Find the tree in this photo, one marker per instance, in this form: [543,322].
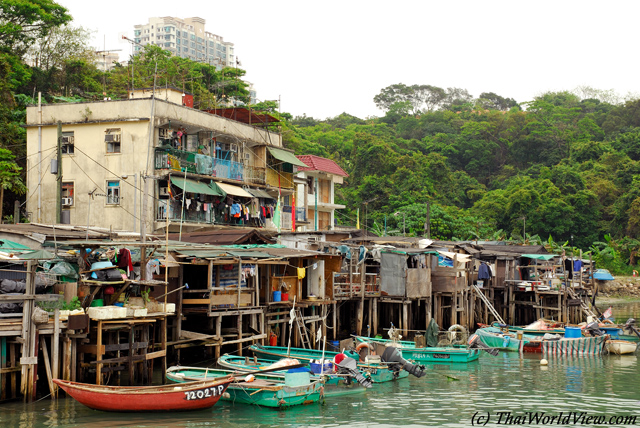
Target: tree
[24,21]
[9,177]
[492,101]
[61,44]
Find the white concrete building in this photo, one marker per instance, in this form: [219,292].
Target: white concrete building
[186,38]
[196,165]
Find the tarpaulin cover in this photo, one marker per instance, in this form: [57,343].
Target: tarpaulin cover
[392,267]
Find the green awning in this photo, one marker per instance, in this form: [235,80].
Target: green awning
[539,256]
[286,157]
[259,193]
[193,186]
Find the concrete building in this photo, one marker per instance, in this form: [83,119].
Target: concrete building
[148,162]
[316,191]
[186,38]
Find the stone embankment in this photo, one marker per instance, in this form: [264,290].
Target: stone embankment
[620,287]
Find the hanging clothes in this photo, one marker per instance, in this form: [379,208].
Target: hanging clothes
[484,271]
[568,267]
[301,272]
[124,261]
[153,267]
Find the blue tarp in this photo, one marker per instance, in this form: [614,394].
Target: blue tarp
[603,275]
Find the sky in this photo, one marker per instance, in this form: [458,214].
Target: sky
[325,58]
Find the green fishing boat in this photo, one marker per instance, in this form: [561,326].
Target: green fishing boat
[377,370]
[264,390]
[441,354]
[335,384]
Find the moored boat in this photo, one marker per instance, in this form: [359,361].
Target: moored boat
[199,394]
[334,383]
[440,354]
[377,370]
[261,389]
[621,347]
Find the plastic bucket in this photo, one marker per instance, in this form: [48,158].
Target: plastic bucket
[277,295]
[572,332]
[97,302]
[285,297]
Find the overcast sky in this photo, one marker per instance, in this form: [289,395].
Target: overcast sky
[325,58]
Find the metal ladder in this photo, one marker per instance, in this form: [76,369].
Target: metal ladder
[302,330]
[489,305]
[585,307]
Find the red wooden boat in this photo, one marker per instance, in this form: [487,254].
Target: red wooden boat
[164,398]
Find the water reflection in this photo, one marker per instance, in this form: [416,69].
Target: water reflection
[447,396]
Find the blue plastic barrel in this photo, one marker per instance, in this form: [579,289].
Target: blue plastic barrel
[572,332]
[277,296]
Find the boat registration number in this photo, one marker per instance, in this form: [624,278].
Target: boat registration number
[426,356]
[204,393]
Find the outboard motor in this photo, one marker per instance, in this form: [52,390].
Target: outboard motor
[392,355]
[630,325]
[476,343]
[349,366]
[593,330]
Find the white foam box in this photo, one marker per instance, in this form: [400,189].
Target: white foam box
[107,312]
[136,311]
[171,307]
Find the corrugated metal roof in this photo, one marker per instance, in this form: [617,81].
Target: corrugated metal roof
[317,163]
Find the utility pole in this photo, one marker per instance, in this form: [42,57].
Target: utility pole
[59,177]
[427,223]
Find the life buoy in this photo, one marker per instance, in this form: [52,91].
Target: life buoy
[457,334]
[362,346]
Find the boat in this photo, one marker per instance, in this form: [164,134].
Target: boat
[541,327]
[621,347]
[334,383]
[439,354]
[262,389]
[555,344]
[375,368]
[196,395]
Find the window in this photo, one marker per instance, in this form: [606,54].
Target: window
[136,33]
[67,143]
[113,192]
[185,49]
[112,139]
[177,41]
[67,193]
[200,40]
[193,36]
[310,187]
[193,45]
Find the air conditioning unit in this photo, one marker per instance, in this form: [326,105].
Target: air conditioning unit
[67,140]
[247,156]
[109,138]
[116,138]
[164,191]
[67,201]
[234,147]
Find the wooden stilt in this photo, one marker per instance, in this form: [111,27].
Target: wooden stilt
[239,326]
[360,312]
[335,321]
[219,335]
[374,316]
[47,367]
[405,319]
[55,349]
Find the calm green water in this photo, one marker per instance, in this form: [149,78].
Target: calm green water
[603,386]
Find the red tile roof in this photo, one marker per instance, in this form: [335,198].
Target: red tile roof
[316,163]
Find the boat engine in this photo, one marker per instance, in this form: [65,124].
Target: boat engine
[349,366]
[630,325]
[476,343]
[593,330]
[391,355]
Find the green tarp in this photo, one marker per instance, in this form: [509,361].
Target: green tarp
[285,156]
[6,244]
[193,186]
[539,256]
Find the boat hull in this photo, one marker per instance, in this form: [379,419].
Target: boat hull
[265,390]
[379,372]
[166,398]
[460,354]
[621,347]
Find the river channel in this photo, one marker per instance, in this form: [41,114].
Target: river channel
[508,390]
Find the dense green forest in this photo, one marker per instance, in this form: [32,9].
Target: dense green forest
[562,169]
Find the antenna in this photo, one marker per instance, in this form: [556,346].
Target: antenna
[104,61]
